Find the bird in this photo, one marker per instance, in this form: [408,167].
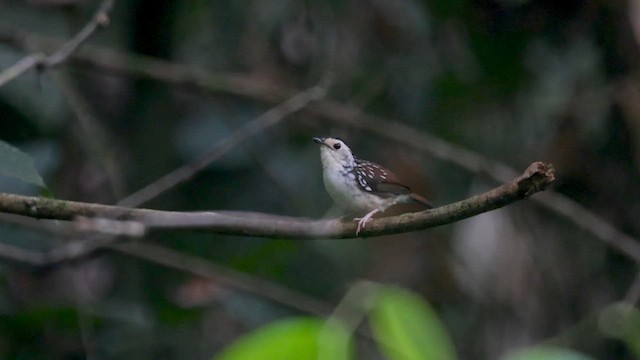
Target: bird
[361,186]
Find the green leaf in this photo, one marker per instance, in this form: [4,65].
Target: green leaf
[15,163]
[622,321]
[295,339]
[547,353]
[407,328]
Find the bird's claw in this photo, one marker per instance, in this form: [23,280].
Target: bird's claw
[362,222]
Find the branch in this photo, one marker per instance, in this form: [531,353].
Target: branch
[559,204]
[99,19]
[16,255]
[536,178]
[19,68]
[160,255]
[104,59]
[122,63]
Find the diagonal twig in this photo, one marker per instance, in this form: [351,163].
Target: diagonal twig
[25,64]
[19,256]
[245,282]
[99,19]
[270,118]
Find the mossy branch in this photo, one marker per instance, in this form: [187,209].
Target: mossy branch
[536,178]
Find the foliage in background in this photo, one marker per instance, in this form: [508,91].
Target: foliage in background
[16,164]
[516,81]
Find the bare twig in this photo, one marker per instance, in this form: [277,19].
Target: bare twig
[187,171]
[19,256]
[188,76]
[227,276]
[99,19]
[16,255]
[70,249]
[19,68]
[536,178]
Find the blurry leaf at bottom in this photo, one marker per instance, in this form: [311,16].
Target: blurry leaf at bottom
[622,321]
[547,353]
[16,164]
[407,328]
[294,339]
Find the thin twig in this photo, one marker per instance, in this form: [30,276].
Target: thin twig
[99,19]
[536,178]
[247,283]
[19,68]
[19,256]
[78,242]
[270,118]
[187,76]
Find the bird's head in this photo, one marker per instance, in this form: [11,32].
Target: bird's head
[334,152]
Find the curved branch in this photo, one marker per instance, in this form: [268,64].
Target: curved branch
[246,86]
[536,178]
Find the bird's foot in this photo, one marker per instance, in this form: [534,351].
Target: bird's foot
[362,222]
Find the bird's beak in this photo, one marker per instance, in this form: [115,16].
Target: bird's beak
[319,140]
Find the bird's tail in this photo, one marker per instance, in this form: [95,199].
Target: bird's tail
[420,200]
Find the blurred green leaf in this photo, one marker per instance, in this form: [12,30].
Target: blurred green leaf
[15,163]
[547,353]
[406,327]
[296,339]
[622,321]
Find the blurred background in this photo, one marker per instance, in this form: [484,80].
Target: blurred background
[512,81]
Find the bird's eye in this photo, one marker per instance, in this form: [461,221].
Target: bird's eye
[336,146]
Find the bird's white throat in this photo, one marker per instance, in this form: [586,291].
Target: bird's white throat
[340,182]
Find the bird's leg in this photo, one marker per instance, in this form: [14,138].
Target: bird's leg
[363,220]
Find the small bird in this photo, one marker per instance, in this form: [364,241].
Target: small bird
[361,186]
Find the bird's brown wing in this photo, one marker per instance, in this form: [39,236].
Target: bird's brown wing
[375,179]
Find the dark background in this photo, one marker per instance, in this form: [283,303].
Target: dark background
[515,81]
